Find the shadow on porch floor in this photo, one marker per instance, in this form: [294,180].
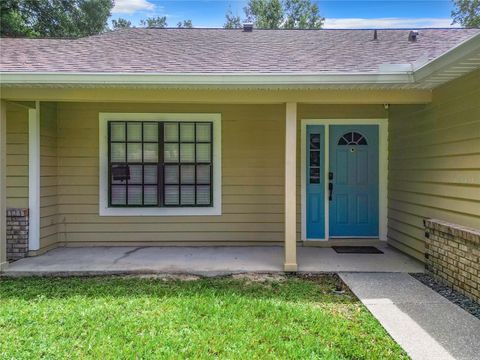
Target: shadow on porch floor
[206,260]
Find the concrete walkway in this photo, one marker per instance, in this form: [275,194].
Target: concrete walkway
[424,323]
[205,260]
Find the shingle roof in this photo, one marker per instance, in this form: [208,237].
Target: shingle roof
[227,51]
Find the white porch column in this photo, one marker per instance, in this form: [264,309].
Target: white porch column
[290,187]
[3,185]
[34,177]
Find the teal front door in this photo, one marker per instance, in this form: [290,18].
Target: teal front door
[353,181]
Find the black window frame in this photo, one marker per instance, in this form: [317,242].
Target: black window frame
[161,183]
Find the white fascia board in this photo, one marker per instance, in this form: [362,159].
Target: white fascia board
[18,78]
[449,58]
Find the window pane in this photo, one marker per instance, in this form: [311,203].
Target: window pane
[150,174]
[119,195]
[134,152]
[188,174]
[203,132]
[117,152]
[314,158]
[171,153]
[134,195]
[134,157]
[117,131]
[315,141]
[362,141]
[135,174]
[187,132]
[134,131]
[171,195]
[150,196]
[203,153]
[187,153]
[171,174]
[170,131]
[120,174]
[315,172]
[150,131]
[203,174]
[356,137]
[203,195]
[188,195]
[150,152]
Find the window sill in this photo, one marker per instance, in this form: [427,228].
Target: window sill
[177,211]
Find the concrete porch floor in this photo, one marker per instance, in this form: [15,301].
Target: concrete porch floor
[205,260]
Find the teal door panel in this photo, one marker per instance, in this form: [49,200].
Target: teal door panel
[353,180]
[315,178]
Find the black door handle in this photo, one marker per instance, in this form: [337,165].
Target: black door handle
[330,191]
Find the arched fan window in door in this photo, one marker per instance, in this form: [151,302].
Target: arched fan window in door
[352,138]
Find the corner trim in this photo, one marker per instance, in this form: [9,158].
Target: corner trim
[3,266]
[290,267]
[34,177]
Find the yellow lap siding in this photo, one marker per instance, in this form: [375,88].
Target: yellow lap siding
[252,183]
[48,175]
[252,170]
[17,156]
[434,163]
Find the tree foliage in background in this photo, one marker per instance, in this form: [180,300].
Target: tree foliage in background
[155,22]
[54,18]
[466,13]
[302,14]
[186,24]
[232,21]
[121,23]
[278,14]
[265,14]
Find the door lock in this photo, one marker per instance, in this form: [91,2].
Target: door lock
[330,186]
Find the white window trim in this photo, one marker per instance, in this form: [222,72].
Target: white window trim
[382,164]
[216,209]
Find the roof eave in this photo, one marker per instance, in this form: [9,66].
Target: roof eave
[196,79]
[454,63]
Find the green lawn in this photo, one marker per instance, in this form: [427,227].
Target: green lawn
[115,317]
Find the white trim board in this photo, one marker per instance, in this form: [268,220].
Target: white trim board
[34,177]
[382,163]
[105,210]
[306,78]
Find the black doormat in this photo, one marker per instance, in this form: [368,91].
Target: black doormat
[357,250]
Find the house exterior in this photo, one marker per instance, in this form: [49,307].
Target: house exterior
[229,137]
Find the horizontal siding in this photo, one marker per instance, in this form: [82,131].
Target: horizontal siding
[17,156]
[48,175]
[252,184]
[252,169]
[434,163]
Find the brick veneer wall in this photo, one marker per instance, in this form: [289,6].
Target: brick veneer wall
[17,233]
[453,256]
